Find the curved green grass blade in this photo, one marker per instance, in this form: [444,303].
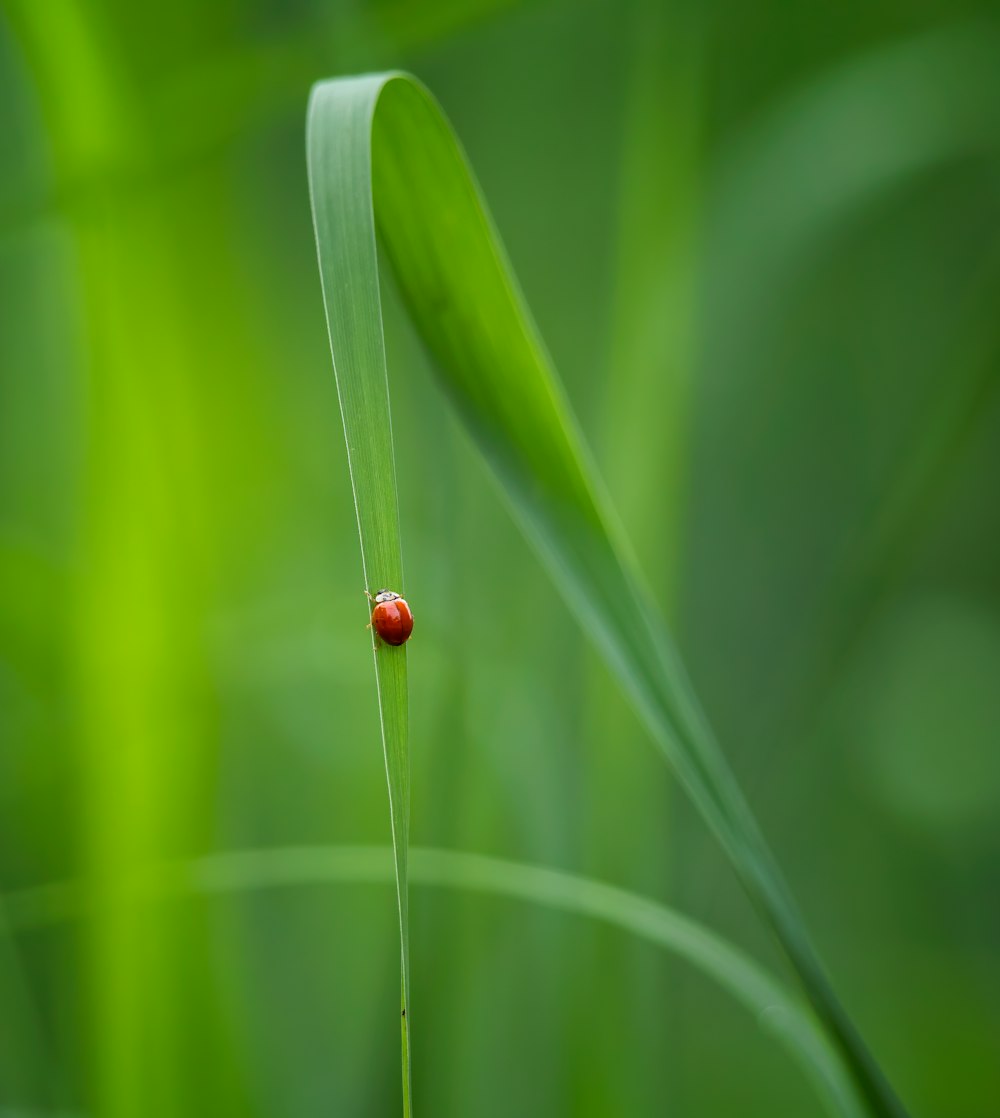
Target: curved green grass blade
[777,1011]
[382,154]
[349,274]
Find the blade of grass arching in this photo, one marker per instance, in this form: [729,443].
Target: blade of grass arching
[779,1012]
[349,275]
[381,151]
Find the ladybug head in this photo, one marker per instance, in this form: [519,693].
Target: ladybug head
[386,596]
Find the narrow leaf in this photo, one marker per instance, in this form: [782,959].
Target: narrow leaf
[382,154]
[241,871]
[348,269]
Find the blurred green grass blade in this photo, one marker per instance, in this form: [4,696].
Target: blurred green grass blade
[653,346]
[349,272]
[777,1011]
[26,1068]
[382,153]
[880,124]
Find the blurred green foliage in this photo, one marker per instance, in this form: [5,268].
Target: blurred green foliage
[761,243]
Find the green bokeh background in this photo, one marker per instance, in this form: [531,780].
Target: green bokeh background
[763,245]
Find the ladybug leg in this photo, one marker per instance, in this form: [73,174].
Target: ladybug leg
[368,596]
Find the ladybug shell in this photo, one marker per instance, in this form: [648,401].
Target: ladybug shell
[393,621]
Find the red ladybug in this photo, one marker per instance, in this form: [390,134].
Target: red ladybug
[391,617]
